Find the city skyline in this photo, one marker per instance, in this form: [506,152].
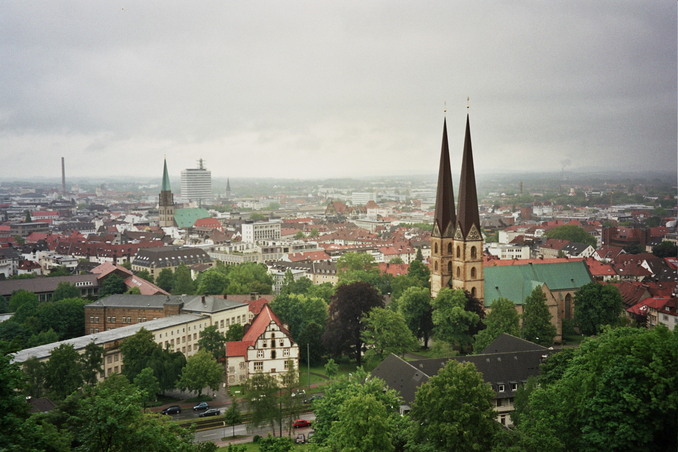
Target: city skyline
[314,90]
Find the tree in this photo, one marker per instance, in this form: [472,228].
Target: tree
[537,325]
[109,418]
[212,282]
[275,444]
[295,286]
[357,384]
[386,332]
[91,363]
[59,271]
[344,326]
[13,404]
[420,271]
[34,373]
[355,262]
[249,277]
[112,285]
[415,307]
[260,390]
[147,385]
[27,217]
[212,341]
[140,351]
[452,322]
[183,283]
[503,318]
[66,317]
[572,233]
[665,249]
[362,426]
[311,335]
[201,371]
[21,297]
[233,416]
[623,378]
[453,410]
[63,372]
[596,305]
[299,235]
[234,333]
[298,310]
[331,368]
[65,290]
[165,279]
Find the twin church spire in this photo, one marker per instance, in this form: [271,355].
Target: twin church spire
[456,241]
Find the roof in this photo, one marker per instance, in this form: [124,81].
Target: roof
[467,214]
[261,322]
[445,217]
[145,287]
[107,268]
[237,348]
[186,218]
[509,343]
[45,284]
[135,301]
[210,304]
[165,178]
[516,282]
[104,337]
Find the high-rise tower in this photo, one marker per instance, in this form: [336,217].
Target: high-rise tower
[166,201]
[196,183]
[456,241]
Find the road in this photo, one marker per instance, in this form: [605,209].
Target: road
[216,434]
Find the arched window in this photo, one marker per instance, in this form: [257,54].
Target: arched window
[449,267]
[435,266]
[458,251]
[473,291]
[473,272]
[474,254]
[435,248]
[458,272]
[449,248]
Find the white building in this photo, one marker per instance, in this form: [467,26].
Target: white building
[360,199]
[196,184]
[253,232]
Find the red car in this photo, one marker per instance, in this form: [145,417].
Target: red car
[300,423]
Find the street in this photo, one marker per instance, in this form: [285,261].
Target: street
[215,435]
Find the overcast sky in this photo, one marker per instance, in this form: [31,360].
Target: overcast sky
[315,89]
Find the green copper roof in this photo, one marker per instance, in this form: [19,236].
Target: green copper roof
[185,218]
[516,282]
[165,179]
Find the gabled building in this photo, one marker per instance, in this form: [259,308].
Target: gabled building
[154,260]
[505,365]
[166,201]
[266,347]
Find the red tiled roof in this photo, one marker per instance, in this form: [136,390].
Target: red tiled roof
[255,306]
[597,268]
[237,348]
[393,269]
[145,287]
[309,256]
[260,322]
[490,261]
[107,268]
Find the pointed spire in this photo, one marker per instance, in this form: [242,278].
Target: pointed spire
[228,184]
[165,179]
[444,215]
[468,197]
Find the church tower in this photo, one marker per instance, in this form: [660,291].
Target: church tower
[442,237]
[166,201]
[468,239]
[456,242]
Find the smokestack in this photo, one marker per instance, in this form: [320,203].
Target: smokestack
[63,176]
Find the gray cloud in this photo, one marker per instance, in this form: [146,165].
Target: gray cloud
[320,88]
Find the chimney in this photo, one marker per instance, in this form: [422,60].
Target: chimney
[202,299]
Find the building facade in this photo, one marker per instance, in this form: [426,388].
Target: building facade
[196,184]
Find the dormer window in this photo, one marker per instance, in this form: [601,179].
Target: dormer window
[501,387]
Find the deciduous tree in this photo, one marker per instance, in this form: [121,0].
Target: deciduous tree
[235,332]
[63,372]
[113,284]
[147,385]
[573,233]
[386,332]
[183,283]
[415,306]
[65,290]
[362,426]
[165,279]
[91,363]
[503,318]
[596,305]
[537,325]
[249,277]
[344,325]
[233,415]
[453,323]
[212,341]
[212,282]
[201,371]
[453,410]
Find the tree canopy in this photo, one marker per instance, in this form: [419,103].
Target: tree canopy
[386,332]
[503,318]
[415,306]
[453,410]
[573,233]
[201,371]
[537,325]
[453,323]
[596,305]
[345,323]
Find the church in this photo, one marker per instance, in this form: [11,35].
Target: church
[456,260]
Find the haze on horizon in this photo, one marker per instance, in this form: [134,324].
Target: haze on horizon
[320,89]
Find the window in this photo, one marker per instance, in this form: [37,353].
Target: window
[258,366]
[458,251]
[458,272]
[287,364]
[273,354]
[435,248]
[499,402]
[473,291]
[449,248]
[282,343]
[501,388]
[242,365]
[473,272]
[435,265]
[286,352]
[514,386]
[474,253]
[260,353]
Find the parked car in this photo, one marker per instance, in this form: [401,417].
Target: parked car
[174,409]
[201,406]
[210,412]
[300,439]
[299,393]
[300,423]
